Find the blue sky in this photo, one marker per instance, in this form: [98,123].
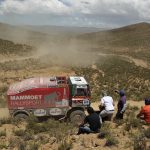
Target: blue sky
[91,13]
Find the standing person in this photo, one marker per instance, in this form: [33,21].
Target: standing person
[145,111]
[121,104]
[93,122]
[106,106]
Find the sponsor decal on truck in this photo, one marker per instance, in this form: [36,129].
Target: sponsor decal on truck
[26,97]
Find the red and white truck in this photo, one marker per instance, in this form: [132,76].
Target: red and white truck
[49,96]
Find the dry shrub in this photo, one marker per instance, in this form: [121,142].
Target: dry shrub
[65,145]
[139,142]
[3,133]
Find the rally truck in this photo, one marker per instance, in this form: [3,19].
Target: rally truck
[59,96]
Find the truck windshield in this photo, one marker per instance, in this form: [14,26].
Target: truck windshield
[81,92]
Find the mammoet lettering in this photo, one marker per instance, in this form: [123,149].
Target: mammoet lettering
[26,97]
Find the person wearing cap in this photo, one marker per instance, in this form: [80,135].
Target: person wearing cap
[145,111]
[91,123]
[121,104]
[106,107]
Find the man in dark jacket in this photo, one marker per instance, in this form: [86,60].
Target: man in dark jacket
[93,122]
[121,104]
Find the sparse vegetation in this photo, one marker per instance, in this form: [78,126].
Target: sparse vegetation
[114,73]
[52,127]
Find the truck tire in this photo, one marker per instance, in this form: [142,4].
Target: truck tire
[77,117]
[21,116]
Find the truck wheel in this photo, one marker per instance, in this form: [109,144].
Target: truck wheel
[77,117]
[21,116]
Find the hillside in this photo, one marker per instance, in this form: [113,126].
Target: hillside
[133,40]
[9,47]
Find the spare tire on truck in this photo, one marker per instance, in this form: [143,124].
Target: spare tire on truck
[77,117]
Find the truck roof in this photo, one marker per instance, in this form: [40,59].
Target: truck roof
[78,80]
[27,84]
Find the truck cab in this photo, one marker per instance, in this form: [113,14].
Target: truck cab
[79,92]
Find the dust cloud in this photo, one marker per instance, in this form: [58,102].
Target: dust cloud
[60,49]
[66,53]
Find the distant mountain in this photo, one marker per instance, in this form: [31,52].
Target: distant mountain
[41,34]
[56,30]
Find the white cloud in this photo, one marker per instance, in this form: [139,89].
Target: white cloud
[103,11]
[33,6]
[98,7]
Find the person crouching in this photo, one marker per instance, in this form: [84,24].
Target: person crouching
[91,122]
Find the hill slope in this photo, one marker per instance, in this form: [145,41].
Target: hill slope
[133,40]
[9,47]
[23,35]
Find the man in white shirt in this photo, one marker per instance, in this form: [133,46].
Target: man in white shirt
[108,106]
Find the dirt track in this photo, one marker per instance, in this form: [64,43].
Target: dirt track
[137,62]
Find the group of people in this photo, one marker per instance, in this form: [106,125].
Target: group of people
[93,121]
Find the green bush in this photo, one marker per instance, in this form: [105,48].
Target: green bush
[110,140]
[19,132]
